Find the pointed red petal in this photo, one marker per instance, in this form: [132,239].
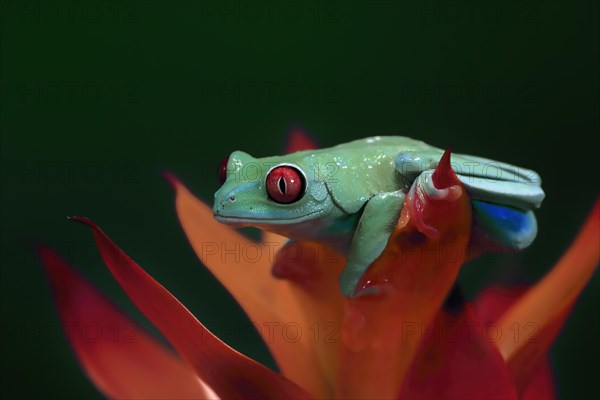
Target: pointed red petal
[415,273]
[299,140]
[444,175]
[120,358]
[541,386]
[449,188]
[229,373]
[458,361]
[537,317]
[490,306]
[493,301]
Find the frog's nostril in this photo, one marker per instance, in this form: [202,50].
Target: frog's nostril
[232,198]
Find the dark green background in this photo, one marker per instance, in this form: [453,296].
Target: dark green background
[98,97]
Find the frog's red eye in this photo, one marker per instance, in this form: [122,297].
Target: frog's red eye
[222,172]
[285,184]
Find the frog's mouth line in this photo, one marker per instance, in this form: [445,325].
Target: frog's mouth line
[272,221]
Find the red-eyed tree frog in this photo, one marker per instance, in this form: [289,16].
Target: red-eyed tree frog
[350,196]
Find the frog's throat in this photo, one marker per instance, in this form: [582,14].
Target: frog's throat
[238,220]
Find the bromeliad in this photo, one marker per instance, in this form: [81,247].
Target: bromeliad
[374,346]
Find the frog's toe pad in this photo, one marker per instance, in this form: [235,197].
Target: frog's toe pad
[507,227]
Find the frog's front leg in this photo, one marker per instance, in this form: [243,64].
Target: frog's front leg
[378,220]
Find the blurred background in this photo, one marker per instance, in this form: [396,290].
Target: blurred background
[98,97]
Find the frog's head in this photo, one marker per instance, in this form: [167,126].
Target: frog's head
[272,193]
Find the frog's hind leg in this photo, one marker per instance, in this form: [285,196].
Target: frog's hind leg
[378,220]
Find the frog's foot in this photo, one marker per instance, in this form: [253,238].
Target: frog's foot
[440,184]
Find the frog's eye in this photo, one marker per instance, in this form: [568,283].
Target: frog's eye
[222,172]
[285,184]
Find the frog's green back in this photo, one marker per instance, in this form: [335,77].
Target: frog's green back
[400,143]
[356,171]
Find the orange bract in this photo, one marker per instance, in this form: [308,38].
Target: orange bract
[269,303]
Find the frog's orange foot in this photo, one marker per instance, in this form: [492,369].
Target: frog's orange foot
[440,184]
